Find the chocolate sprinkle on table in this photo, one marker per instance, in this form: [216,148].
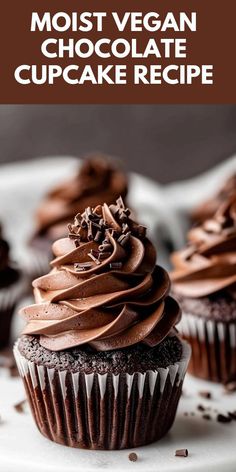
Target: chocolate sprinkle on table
[232,415]
[13,371]
[19,407]
[206,417]
[133,457]
[223,418]
[205,394]
[181,452]
[201,408]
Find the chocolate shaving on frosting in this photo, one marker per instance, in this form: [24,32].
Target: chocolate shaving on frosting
[208,265]
[108,302]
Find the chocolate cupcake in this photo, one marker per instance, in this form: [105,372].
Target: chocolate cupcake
[100,359]
[207,209]
[98,180]
[11,288]
[204,281]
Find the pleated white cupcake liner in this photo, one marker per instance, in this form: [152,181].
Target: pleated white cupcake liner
[103,411]
[213,347]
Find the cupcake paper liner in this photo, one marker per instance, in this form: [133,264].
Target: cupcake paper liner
[9,297]
[106,411]
[213,347]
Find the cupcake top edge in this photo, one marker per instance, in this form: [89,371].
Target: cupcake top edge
[104,288]
[208,264]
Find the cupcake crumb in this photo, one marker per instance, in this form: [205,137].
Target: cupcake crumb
[133,457]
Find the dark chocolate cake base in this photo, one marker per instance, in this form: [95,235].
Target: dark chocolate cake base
[75,405]
[219,307]
[138,358]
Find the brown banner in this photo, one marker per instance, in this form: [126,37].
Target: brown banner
[209,50]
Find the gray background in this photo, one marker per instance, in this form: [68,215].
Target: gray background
[163,142]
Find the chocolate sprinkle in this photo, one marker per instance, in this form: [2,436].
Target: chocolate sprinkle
[13,371]
[232,415]
[98,236]
[116,265]
[19,407]
[82,266]
[181,452]
[94,258]
[103,255]
[105,247]
[206,416]
[201,408]
[223,418]
[133,457]
[90,226]
[205,394]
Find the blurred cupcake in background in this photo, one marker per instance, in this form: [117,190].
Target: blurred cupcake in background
[99,179]
[11,290]
[204,281]
[208,208]
[100,358]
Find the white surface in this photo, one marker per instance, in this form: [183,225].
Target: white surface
[211,444]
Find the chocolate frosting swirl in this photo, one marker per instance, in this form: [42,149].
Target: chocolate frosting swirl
[208,265]
[99,180]
[207,209]
[105,289]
